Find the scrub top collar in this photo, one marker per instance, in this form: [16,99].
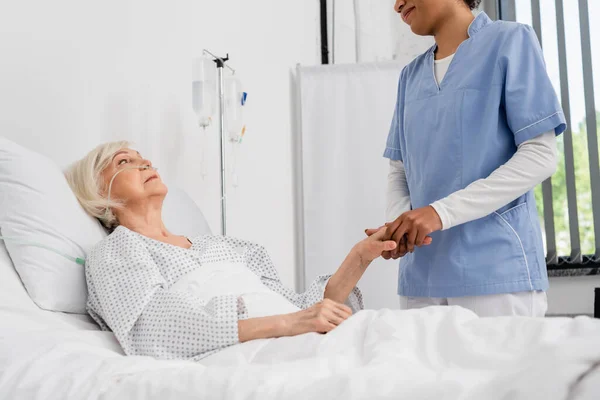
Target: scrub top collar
[481,21]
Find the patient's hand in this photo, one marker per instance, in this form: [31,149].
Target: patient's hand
[377,243]
[343,281]
[321,317]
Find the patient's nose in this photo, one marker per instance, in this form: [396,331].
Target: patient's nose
[146,163]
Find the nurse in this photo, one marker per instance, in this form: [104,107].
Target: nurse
[473,132]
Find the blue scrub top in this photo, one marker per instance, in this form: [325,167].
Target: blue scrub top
[495,95]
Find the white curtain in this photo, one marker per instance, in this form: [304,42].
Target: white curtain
[346,112]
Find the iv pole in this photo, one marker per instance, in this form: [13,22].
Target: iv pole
[221,63]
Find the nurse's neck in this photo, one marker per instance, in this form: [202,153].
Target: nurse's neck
[452,31]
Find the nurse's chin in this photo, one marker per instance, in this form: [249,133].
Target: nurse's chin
[419,29]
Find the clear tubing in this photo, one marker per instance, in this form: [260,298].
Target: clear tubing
[77,260]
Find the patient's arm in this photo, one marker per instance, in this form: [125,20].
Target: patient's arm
[261,328]
[341,287]
[321,317]
[354,266]
[259,262]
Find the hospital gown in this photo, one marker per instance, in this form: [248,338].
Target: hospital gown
[129,275]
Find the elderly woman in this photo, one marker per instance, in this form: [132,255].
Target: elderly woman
[173,297]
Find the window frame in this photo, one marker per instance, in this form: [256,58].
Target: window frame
[575,263]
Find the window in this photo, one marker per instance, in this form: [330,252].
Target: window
[569,202]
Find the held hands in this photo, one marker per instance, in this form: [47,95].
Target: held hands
[409,230]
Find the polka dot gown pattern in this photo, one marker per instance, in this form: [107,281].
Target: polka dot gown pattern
[129,276]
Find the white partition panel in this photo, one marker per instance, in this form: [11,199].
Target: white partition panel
[346,112]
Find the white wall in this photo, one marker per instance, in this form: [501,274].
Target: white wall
[572,295]
[74,73]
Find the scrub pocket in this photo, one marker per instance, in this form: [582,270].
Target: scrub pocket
[517,224]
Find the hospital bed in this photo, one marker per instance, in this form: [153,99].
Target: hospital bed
[434,353]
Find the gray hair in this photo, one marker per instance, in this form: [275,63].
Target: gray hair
[85,178]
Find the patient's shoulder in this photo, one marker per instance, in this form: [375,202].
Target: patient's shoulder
[120,244]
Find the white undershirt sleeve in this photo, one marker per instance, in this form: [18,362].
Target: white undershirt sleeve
[398,196]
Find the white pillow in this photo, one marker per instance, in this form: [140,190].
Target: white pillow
[182,216]
[37,204]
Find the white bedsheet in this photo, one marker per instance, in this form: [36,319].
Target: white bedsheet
[434,353]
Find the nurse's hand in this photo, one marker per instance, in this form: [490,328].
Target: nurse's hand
[416,225]
[401,249]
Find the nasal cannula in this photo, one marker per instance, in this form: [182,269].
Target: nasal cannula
[142,167]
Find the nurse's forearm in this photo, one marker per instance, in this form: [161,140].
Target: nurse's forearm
[346,277]
[534,161]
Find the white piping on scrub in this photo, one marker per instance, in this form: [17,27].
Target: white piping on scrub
[522,248]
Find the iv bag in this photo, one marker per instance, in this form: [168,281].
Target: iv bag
[204,89]
[234,120]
